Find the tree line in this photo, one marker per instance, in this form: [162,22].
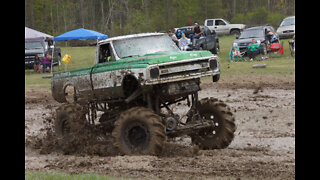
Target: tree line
[120,17]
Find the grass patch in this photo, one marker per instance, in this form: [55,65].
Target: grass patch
[276,64]
[82,57]
[41,175]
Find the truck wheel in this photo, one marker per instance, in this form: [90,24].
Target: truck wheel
[235,32]
[69,119]
[139,131]
[214,51]
[222,133]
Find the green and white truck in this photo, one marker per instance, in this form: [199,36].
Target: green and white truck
[130,91]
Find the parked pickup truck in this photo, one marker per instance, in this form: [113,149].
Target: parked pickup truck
[223,27]
[133,83]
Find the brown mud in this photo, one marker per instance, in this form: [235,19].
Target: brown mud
[263,147]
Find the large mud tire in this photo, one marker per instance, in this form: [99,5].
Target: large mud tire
[70,118]
[139,131]
[222,134]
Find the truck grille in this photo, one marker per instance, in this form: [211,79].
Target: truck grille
[29,59]
[289,31]
[184,68]
[244,44]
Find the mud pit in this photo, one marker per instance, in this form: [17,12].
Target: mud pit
[263,147]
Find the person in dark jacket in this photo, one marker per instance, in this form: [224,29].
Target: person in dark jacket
[197,30]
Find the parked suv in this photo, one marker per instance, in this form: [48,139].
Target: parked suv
[208,40]
[287,28]
[257,33]
[40,47]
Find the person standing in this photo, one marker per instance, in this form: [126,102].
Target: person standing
[272,37]
[293,44]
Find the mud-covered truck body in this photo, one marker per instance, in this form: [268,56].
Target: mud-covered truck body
[135,80]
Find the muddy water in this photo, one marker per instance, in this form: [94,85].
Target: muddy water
[263,147]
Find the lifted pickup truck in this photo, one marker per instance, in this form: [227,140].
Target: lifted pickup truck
[223,27]
[134,82]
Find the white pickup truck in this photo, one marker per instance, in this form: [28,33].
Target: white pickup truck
[223,27]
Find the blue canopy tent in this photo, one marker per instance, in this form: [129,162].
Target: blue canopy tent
[80,34]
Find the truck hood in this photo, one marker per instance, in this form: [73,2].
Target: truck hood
[240,26]
[155,58]
[136,62]
[247,41]
[285,28]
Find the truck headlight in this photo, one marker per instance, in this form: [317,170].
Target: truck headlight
[234,45]
[154,73]
[213,64]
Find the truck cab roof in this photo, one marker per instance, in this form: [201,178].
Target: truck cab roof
[128,37]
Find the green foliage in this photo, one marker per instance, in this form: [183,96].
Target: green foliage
[274,19]
[238,19]
[119,17]
[257,16]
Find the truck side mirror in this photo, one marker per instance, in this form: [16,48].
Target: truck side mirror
[237,37]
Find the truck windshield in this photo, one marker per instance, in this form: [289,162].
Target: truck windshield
[254,33]
[226,21]
[288,22]
[33,45]
[140,46]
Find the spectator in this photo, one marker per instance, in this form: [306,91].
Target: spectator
[272,37]
[46,62]
[197,30]
[252,50]
[183,42]
[172,35]
[236,53]
[36,64]
[293,42]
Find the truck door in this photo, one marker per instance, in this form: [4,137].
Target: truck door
[210,24]
[105,82]
[220,27]
[210,39]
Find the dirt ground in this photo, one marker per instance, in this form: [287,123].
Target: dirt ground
[263,147]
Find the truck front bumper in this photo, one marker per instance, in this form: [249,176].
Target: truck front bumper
[183,70]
